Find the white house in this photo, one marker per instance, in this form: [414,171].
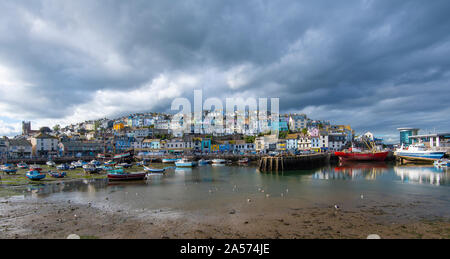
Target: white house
[44,145]
[240,146]
[304,142]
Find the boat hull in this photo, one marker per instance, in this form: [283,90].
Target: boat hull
[426,156]
[170,160]
[185,164]
[35,176]
[154,170]
[347,156]
[127,177]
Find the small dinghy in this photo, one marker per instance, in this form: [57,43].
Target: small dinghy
[63,167]
[57,174]
[120,175]
[22,165]
[9,169]
[154,170]
[51,163]
[35,175]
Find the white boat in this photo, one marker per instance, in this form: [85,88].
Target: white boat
[418,152]
[442,163]
[219,161]
[170,160]
[204,162]
[185,163]
[50,163]
[22,165]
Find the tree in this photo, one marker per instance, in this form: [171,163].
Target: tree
[305,131]
[56,127]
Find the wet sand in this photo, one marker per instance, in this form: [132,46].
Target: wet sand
[44,219]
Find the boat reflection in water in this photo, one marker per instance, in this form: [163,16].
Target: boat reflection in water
[422,175]
[352,170]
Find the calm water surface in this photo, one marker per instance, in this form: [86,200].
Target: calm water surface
[210,187]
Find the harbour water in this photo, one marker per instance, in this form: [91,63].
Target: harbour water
[201,191]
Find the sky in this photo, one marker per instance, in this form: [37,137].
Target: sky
[376,65]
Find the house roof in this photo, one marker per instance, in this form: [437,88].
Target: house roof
[19,142]
[44,136]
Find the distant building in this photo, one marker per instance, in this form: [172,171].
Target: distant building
[19,148]
[435,141]
[405,133]
[297,122]
[80,148]
[44,145]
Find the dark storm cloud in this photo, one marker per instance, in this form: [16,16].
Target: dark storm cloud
[373,64]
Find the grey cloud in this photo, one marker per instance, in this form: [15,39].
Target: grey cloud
[387,58]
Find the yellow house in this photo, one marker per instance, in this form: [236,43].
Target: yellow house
[118,126]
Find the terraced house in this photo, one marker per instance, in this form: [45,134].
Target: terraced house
[44,145]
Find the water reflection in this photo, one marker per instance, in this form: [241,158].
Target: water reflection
[352,171]
[422,175]
[192,184]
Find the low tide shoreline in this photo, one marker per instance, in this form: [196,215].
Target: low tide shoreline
[36,219]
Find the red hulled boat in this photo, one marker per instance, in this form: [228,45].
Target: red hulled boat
[126,176]
[356,155]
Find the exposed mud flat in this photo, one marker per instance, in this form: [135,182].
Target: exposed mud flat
[43,219]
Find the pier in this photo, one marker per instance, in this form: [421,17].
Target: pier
[284,163]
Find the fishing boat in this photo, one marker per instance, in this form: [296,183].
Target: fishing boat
[35,175]
[9,169]
[185,163]
[243,161]
[63,167]
[170,160]
[91,169]
[110,163]
[219,161]
[442,163]
[50,163]
[57,174]
[354,154]
[154,170]
[22,165]
[95,163]
[79,164]
[418,152]
[142,163]
[35,168]
[120,175]
[122,156]
[204,162]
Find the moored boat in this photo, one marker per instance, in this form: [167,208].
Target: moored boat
[9,169]
[22,165]
[442,163]
[57,174]
[353,155]
[63,167]
[124,176]
[243,161]
[219,161]
[170,160]
[91,169]
[204,162]
[35,175]
[185,163]
[418,152]
[50,163]
[154,170]
[35,168]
